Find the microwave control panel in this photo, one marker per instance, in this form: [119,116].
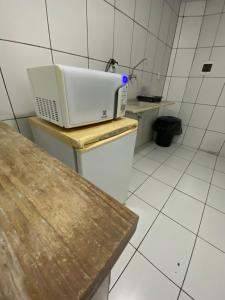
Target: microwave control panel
[122,101]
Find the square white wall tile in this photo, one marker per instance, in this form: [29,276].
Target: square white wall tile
[122,38]
[165,22]
[183,62]
[201,116]
[172,28]
[157,85]
[222,98]
[127,6]
[100,29]
[154,192]
[24,21]
[142,12]
[155,16]
[176,89]
[220,37]
[172,110]
[177,33]
[171,62]
[208,30]
[176,6]
[182,8]
[166,88]
[218,57]
[135,86]
[193,137]
[185,210]
[158,63]
[138,48]
[218,120]
[146,83]
[143,281]
[194,8]
[168,246]
[208,267]
[70,60]
[14,60]
[68,28]
[190,32]
[214,6]
[6,110]
[212,141]
[192,89]
[97,65]
[201,55]
[146,214]
[210,91]
[150,52]
[185,112]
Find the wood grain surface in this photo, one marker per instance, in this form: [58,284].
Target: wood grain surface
[59,234]
[82,137]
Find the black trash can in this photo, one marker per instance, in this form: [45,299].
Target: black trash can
[166,127]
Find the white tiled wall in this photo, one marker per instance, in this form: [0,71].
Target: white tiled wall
[200,100]
[84,33]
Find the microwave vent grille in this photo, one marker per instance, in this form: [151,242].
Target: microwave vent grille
[47,108]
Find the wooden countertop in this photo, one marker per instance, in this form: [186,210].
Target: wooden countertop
[59,234]
[84,137]
[135,106]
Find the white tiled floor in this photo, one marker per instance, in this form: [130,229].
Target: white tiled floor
[178,249]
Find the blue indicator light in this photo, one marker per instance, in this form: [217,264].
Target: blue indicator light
[125,79]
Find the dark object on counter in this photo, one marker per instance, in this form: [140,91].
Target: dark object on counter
[149,98]
[166,127]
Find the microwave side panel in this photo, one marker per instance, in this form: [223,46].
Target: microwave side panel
[91,95]
[46,93]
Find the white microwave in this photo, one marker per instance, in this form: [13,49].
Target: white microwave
[71,97]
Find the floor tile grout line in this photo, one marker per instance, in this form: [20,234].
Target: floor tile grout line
[171,154]
[212,245]
[177,222]
[150,175]
[160,211]
[158,269]
[177,285]
[144,235]
[118,278]
[196,237]
[157,216]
